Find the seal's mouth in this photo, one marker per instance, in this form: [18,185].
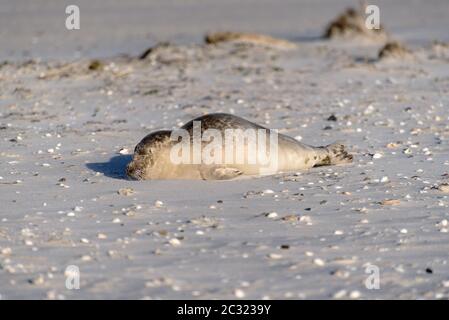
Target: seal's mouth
[132,172]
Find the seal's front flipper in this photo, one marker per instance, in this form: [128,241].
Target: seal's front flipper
[221,173]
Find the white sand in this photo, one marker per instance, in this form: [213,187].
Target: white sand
[62,126]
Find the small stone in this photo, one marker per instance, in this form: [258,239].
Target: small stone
[123,151]
[384,179]
[86,258]
[274,256]
[444,188]
[306,219]
[340,294]
[377,156]
[116,220]
[407,151]
[239,293]
[403,231]
[442,223]
[355,294]
[158,204]
[174,242]
[6,251]
[130,213]
[84,240]
[338,232]
[102,236]
[319,262]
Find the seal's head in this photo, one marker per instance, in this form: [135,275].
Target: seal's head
[146,154]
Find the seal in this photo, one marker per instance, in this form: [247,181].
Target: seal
[157,155]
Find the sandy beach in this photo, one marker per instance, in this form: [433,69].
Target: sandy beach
[74,103]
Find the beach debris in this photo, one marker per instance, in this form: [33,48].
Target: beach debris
[390,202]
[95,65]
[392,145]
[125,191]
[153,50]
[394,50]
[351,23]
[205,222]
[250,38]
[291,218]
[167,54]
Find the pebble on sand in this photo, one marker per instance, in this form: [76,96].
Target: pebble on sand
[274,256]
[158,204]
[271,215]
[174,242]
[239,293]
[123,151]
[319,262]
[6,251]
[125,191]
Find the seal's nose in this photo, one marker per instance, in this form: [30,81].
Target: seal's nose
[132,172]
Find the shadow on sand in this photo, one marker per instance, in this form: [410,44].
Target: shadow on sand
[114,168]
